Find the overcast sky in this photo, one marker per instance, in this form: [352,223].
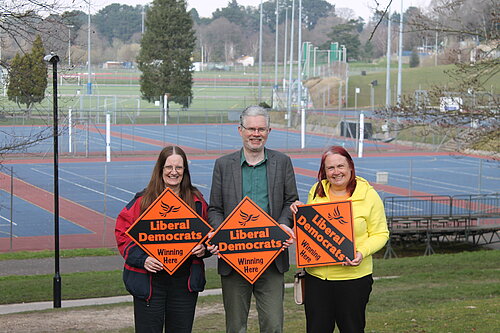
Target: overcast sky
[206,7]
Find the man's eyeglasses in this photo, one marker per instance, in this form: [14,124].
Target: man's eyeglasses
[261,130]
[169,168]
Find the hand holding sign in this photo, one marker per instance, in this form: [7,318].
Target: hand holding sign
[287,243]
[325,234]
[249,240]
[356,261]
[152,265]
[294,206]
[169,231]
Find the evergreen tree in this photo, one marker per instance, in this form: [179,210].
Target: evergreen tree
[368,51]
[119,21]
[28,76]
[38,71]
[195,16]
[76,18]
[233,12]
[166,50]
[15,87]
[414,59]
[346,34]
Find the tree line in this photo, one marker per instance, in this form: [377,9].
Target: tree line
[233,31]
[230,32]
[166,50]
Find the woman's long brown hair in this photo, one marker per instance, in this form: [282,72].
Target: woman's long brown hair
[351,185]
[156,185]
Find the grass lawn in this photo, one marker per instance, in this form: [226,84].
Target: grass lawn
[213,93]
[213,97]
[421,78]
[457,292]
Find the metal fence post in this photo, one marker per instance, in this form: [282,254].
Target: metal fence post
[11,203]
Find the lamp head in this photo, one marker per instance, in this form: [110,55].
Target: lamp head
[52,58]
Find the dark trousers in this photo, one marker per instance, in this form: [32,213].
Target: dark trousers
[341,302]
[171,305]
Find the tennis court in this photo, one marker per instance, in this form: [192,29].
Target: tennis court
[92,192]
[149,138]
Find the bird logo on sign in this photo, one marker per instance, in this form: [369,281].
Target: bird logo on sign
[336,216]
[247,218]
[168,209]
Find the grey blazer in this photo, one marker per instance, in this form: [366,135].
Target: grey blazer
[226,194]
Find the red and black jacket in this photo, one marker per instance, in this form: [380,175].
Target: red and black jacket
[138,280]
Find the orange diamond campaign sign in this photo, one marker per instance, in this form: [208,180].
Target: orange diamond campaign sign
[324,234]
[168,230]
[249,240]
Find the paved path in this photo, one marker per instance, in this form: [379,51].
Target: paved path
[70,265]
[37,306]
[74,265]
[81,264]
[67,265]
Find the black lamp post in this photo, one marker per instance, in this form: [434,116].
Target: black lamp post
[54,59]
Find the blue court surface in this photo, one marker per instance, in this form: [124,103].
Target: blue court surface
[151,138]
[107,187]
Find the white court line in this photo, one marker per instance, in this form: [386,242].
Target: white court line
[450,170]
[471,165]
[8,220]
[409,208]
[201,185]
[422,181]
[425,181]
[114,145]
[170,137]
[200,166]
[8,233]
[468,161]
[96,181]
[81,186]
[100,141]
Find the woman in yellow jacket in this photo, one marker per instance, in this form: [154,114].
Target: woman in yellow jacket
[338,294]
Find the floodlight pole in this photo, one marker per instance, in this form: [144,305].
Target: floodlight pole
[388,65]
[289,99]
[89,78]
[276,49]
[400,55]
[300,107]
[69,44]
[285,48]
[260,54]
[54,59]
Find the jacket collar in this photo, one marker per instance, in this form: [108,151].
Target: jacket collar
[362,186]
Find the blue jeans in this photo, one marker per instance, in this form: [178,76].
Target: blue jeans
[171,305]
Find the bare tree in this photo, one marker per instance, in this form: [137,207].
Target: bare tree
[222,40]
[20,22]
[465,110]
[19,19]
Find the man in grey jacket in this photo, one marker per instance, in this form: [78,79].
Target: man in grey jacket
[267,178]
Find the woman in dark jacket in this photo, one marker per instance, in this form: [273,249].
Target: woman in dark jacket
[160,299]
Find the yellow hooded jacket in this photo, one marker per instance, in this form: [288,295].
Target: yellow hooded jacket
[370,230]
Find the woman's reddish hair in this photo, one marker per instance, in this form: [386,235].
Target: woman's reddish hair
[351,185]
